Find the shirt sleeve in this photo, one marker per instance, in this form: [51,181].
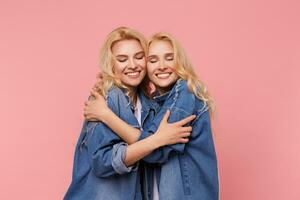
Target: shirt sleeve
[204,151]
[106,149]
[107,152]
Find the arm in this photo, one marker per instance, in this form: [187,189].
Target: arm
[163,136]
[162,154]
[177,103]
[109,155]
[106,152]
[204,153]
[124,130]
[108,117]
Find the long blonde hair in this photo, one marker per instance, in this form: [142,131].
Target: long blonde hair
[184,69]
[107,59]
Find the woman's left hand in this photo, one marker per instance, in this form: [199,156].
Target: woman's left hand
[95,109]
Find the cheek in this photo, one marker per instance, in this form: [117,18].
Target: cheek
[141,63]
[171,64]
[118,68]
[150,68]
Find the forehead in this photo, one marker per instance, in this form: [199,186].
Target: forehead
[160,47]
[126,47]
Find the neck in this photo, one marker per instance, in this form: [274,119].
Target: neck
[132,94]
[163,90]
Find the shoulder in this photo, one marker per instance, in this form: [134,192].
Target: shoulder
[181,89]
[201,107]
[116,99]
[115,93]
[182,97]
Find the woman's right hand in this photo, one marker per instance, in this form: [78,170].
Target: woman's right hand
[173,133]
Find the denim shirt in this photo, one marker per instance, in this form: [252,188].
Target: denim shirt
[185,171]
[99,172]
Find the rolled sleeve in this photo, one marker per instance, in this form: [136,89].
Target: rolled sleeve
[118,157]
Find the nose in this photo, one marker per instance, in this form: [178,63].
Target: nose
[161,65]
[132,64]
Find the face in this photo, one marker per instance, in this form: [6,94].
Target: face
[130,62]
[161,65]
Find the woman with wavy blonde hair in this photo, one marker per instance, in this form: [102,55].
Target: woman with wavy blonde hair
[106,167]
[107,59]
[184,68]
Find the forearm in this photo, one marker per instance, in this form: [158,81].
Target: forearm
[121,128]
[140,149]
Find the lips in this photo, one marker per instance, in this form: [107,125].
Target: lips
[163,75]
[134,74]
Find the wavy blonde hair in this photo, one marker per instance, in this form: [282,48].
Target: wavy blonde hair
[184,69]
[107,60]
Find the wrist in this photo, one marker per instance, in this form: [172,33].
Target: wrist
[103,116]
[157,141]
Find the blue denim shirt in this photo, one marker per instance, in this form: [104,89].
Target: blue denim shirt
[186,171]
[99,172]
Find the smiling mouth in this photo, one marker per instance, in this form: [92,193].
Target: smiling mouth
[163,75]
[135,74]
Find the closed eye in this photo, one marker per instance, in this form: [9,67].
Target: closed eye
[140,55]
[169,56]
[152,59]
[121,58]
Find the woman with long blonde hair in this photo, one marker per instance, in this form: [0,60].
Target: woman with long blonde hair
[106,167]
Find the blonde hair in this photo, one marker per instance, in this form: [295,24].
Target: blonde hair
[184,69]
[107,59]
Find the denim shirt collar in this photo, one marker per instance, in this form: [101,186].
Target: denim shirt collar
[161,98]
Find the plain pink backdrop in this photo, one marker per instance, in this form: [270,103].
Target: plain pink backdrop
[247,52]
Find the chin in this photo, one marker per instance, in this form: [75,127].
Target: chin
[133,83]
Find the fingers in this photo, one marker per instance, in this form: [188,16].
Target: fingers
[186,120]
[186,129]
[184,140]
[166,116]
[95,94]
[185,134]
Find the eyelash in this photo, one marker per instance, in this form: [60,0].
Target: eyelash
[139,57]
[154,61]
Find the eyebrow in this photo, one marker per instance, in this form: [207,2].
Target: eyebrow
[141,52]
[150,56]
[169,54]
[120,55]
[123,55]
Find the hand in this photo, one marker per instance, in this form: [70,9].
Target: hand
[99,83]
[96,108]
[172,133]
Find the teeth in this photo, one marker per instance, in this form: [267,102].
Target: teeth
[133,73]
[165,75]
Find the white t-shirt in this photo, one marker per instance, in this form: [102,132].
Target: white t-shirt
[138,115]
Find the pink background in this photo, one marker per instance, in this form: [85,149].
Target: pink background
[247,52]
